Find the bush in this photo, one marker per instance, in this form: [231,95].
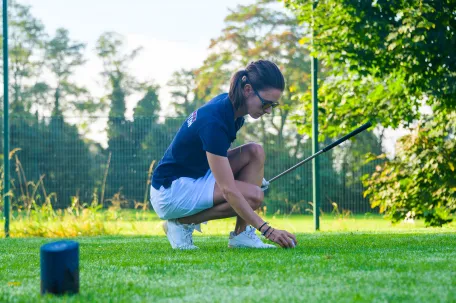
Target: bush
[420,182]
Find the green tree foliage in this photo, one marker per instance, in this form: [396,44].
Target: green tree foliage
[131,156]
[149,105]
[183,92]
[145,126]
[420,182]
[110,49]
[350,160]
[158,139]
[62,57]
[66,162]
[52,150]
[385,57]
[45,147]
[26,45]
[386,60]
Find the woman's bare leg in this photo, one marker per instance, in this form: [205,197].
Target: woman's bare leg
[247,164]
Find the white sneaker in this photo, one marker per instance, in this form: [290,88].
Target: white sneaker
[179,235]
[247,239]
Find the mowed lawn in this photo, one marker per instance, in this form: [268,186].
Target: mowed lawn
[395,264]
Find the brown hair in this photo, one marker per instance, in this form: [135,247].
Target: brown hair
[261,74]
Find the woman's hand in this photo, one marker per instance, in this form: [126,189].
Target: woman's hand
[281,237]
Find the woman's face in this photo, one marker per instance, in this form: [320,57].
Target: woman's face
[260,102]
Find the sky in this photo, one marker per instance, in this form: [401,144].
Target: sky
[174,34]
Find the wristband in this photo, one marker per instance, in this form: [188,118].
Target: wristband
[264,234]
[259,228]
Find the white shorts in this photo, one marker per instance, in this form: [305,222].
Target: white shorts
[185,197]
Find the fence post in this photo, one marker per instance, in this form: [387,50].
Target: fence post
[6,164]
[315,161]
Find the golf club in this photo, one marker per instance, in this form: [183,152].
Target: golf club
[329,147]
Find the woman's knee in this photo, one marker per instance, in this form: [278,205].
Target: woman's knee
[255,198]
[256,152]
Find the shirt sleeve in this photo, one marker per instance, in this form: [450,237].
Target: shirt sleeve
[215,139]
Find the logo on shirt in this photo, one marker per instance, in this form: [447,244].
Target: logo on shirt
[191,118]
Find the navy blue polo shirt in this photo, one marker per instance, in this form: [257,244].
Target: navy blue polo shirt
[211,128]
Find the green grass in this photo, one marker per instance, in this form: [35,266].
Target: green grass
[405,263]
[133,223]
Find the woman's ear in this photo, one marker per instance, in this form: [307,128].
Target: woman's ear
[247,90]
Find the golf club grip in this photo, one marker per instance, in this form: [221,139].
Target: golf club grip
[356,131]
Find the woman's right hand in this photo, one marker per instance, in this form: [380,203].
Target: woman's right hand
[283,238]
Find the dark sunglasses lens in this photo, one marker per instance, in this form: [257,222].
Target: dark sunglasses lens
[272,104]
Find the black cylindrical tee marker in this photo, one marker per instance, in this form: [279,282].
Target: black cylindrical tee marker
[60,268]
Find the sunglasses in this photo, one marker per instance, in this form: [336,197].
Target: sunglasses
[265,103]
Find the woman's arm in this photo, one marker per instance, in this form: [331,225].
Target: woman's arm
[221,169]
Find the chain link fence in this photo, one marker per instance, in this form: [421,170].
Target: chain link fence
[111,159]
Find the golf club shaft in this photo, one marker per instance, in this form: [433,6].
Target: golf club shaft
[329,147]
[296,166]
[344,138]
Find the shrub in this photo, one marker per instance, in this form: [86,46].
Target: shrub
[420,181]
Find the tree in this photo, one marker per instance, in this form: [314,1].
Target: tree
[26,44]
[420,182]
[350,160]
[129,155]
[145,127]
[388,59]
[185,99]
[45,146]
[66,162]
[149,105]
[62,57]
[110,49]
